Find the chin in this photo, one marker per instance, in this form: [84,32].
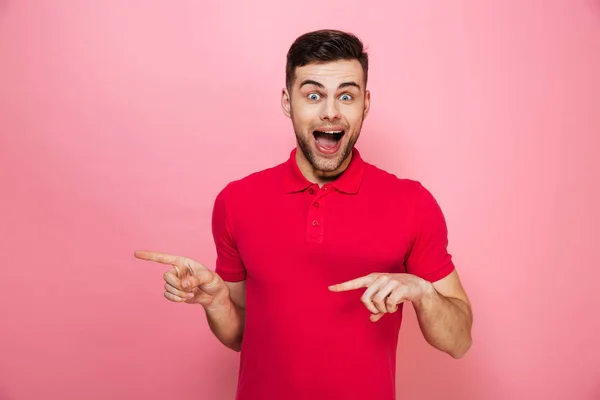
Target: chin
[328,163]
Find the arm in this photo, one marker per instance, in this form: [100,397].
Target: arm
[445,316]
[191,282]
[442,307]
[226,315]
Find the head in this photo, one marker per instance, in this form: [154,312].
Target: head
[326,99]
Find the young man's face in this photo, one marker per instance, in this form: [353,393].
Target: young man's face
[327,105]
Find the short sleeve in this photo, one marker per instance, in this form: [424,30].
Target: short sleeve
[428,257]
[229,264]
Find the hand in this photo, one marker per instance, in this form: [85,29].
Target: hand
[385,291]
[188,281]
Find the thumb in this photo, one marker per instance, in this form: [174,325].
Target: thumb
[207,281]
[376,317]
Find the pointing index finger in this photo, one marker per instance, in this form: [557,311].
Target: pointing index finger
[354,284]
[162,258]
[165,258]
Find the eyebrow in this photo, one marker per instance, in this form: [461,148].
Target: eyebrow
[320,85]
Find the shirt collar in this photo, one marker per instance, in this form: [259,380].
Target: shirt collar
[348,182]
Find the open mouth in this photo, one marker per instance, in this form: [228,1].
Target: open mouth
[328,141]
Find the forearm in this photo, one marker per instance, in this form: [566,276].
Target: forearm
[445,322]
[226,321]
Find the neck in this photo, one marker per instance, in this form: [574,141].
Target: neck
[316,176]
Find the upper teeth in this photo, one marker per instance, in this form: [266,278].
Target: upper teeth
[333,132]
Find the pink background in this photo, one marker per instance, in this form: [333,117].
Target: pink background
[121,120]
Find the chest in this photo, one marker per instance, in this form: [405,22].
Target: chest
[324,237]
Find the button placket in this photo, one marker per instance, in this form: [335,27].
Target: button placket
[315,215]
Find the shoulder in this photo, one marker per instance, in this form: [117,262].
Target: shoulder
[401,186]
[413,200]
[406,194]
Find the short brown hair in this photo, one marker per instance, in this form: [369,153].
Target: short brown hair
[321,46]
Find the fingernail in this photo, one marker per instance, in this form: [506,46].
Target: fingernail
[190,295]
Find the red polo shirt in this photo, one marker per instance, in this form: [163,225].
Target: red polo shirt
[290,240]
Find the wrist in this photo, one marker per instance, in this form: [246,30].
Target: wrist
[428,292]
[221,304]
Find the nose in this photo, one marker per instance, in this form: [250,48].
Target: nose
[330,110]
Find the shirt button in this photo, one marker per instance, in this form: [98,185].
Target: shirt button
[311,191]
[315,223]
[316,204]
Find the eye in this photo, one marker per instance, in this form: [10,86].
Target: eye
[346,97]
[313,97]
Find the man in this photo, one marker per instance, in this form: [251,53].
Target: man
[316,256]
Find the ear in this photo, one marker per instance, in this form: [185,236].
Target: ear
[367,104]
[286,103]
